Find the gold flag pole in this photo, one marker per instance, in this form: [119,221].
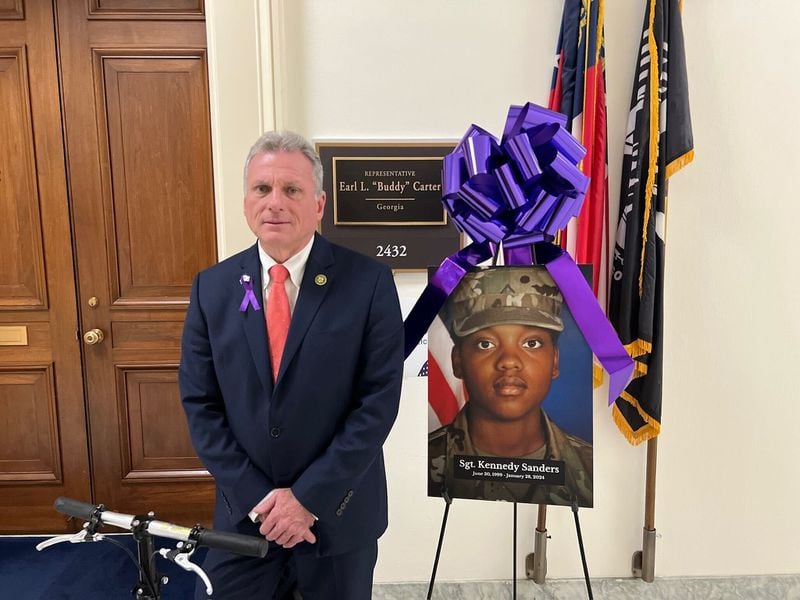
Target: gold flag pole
[643,563]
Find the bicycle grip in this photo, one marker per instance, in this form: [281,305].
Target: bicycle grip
[237,543]
[74,508]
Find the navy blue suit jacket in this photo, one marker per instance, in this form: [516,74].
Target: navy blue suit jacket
[320,428]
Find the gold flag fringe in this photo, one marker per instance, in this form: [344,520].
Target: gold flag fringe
[680,162]
[597,375]
[649,431]
[654,134]
[638,347]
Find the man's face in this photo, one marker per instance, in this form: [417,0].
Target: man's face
[507,370]
[280,202]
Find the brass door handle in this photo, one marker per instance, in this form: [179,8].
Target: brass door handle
[93,336]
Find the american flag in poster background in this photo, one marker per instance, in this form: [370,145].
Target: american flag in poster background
[431,359]
[446,393]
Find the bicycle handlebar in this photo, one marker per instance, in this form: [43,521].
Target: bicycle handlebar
[75,508]
[221,540]
[232,542]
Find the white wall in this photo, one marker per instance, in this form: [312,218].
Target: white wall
[728,476]
[242,105]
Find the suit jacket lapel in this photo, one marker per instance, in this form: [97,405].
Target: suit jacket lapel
[253,321]
[313,288]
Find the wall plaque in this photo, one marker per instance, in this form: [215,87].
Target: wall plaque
[384,200]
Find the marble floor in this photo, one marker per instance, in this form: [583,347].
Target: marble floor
[777,587]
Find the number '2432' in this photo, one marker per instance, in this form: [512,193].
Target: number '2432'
[390,251]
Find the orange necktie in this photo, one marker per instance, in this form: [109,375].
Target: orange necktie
[278,316]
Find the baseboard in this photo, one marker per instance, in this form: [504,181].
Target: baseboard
[769,587]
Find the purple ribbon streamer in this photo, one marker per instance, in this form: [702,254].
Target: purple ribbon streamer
[249,297]
[589,317]
[592,322]
[441,285]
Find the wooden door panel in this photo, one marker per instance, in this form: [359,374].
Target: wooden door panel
[33,346]
[11,9]
[22,267]
[144,9]
[43,441]
[144,335]
[138,139]
[156,123]
[29,448]
[157,445]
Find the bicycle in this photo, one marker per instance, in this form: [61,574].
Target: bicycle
[143,528]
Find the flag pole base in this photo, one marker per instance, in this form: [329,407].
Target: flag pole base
[643,563]
[536,562]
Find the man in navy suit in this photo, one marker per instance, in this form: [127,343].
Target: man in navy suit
[291,425]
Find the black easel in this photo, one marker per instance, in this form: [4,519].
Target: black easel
[447,502]
[514,558]
[580,545]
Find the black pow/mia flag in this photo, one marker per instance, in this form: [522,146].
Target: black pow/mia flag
[658,143]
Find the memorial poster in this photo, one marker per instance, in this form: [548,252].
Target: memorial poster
[510,392]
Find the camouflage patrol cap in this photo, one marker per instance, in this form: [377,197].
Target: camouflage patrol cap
[504,296]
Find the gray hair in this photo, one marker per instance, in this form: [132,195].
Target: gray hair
[286,141]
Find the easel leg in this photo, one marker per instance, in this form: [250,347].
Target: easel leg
[447,501]
[583,552]
[514,558]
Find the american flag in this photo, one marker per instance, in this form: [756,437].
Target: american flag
[446,393]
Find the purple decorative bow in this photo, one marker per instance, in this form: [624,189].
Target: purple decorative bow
[520,191]
[249,297]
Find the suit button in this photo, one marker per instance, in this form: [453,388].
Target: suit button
[339,512]
[275,432]
[350,494]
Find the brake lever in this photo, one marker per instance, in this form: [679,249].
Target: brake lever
[73,538]
[180,556]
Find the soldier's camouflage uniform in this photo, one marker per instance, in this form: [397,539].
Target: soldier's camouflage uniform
[454,439]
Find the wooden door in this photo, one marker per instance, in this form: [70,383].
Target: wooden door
[136,114]
[43,443]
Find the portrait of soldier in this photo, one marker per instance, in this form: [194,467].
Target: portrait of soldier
[505,324]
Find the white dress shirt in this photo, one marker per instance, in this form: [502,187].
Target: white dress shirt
[296,266]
